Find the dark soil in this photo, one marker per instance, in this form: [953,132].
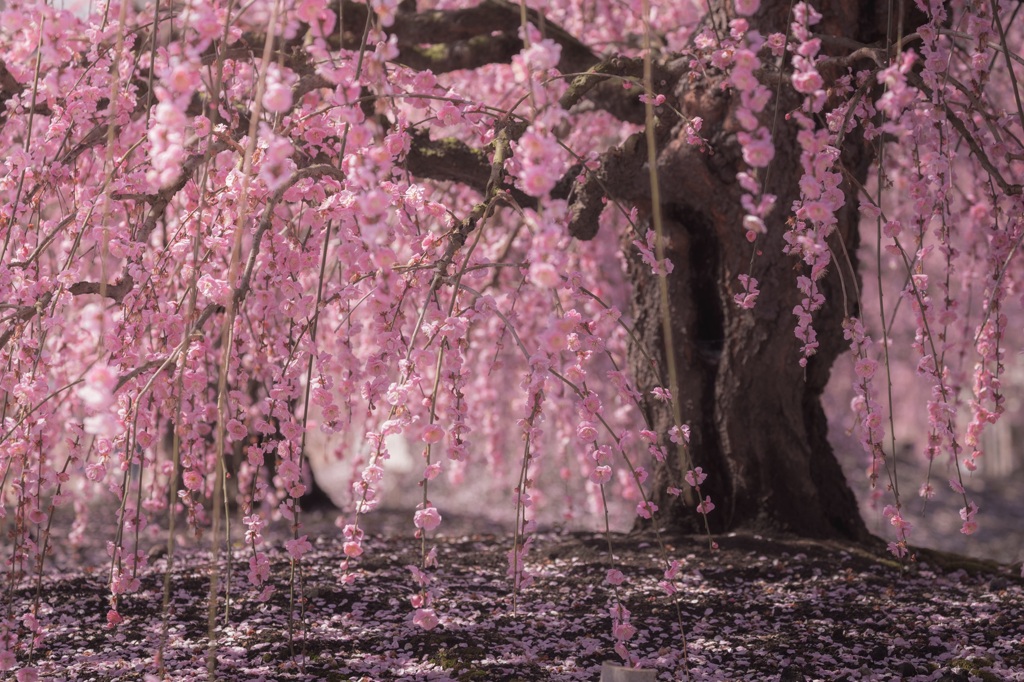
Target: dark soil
[755,609]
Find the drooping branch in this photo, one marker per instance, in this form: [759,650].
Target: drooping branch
[317,171]
[158,203]
[23,314]
[161,362]
[1010,189]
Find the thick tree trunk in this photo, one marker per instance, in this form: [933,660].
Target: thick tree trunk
[757,424]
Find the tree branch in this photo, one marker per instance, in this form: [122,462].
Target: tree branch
[979,153]
[451,160]
[447,159]
[602,86]
[268,214]
[116,292]
[468,38]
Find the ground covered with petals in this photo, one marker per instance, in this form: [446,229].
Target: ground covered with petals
[756,609]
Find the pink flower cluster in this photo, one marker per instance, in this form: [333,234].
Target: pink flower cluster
[745,47]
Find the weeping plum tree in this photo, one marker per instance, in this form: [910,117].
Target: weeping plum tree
[614,241]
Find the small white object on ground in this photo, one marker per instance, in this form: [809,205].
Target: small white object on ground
[616,673]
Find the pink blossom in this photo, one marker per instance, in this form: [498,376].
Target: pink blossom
[623,632]
[214,290]
[167,139]
[615,577]
[592,403]
[425,618]
[706,506]
[536,180]
[276,165]
[539,155]
[722,58]
[428,519]
[297,547]
[898,549]
[29,674]
[646,509]
[586,432]
[967,514]
[432,433]
[277,98]
[237,430]
[193,479]
[427,303]
[896,520]
[757,151]
[805,15]
[540,56]
[679,434]
[545,275]
[662,394]
[753,223]
[695,476]
[748,299]
[373,473]
[97,390]
[601,474]
[807,81]
[309,11]
[95,471]
[449,114]
[692,131]
[648,250]
[123,582]
[818,211]
[865,368]
[656,101]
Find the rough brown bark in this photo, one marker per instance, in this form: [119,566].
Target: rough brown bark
[757,424]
